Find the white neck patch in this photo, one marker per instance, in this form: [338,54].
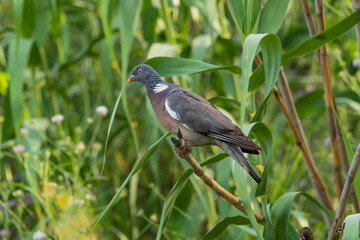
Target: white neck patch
[160,87]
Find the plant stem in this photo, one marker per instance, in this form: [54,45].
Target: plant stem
[356,6]
[329,100]
[312,31]
[334,232]
[185,153]
[289,110]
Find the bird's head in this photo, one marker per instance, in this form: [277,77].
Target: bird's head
[143,73]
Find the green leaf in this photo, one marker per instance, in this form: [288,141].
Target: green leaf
[236,8]
[240,178]
[170,67]
[278,227]
[350,155]
[271,49]
[28,24]
[221,226]
[308,46]
[139,163]
[43,21]
[177,188]
[18,53]
[351,230]
[272,15]
[216,99]
[110,126]
[128,12]
[320,39]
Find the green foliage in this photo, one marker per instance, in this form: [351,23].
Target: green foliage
[67,167]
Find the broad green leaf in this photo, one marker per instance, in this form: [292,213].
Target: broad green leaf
[351,231]
[170,67]
[264,138]
[139,163]
[149,15]
[320,39]
[309,45]
[18,6]
[260,111]
[221,226]
[176,190]
[28,24]
[311,104]
[241,179]
[272,15]
[280,216]
[128,12]
[237,11]
[271,49]
[18,53]
[42,25]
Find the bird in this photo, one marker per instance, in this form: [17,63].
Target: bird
[200,123]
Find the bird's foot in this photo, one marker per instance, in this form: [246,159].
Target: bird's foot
[182,146]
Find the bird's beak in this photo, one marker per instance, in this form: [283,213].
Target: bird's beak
[130,79]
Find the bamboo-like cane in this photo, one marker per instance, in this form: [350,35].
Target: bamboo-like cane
[288,107]
[312,31]
[336,230]
[329,102]
[356,6]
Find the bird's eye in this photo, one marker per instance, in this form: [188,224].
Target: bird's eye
[139,70]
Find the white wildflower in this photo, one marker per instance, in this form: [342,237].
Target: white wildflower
[5,233]
[38,235]
[326,142]
[79,201]
[80,146]
[89,196]
[102,110]
[356,62]
[24,131]
[17,193]
[19,149]
[97,146]
[58,118]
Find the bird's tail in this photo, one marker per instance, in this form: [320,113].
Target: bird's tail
[240,158]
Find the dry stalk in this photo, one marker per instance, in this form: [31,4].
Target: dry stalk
[329,100]
[312,31]
[184,152]
[334,232]
[289,110]
[356,6]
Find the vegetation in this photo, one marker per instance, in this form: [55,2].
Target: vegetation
[83,157]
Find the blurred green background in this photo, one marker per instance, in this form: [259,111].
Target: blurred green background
[62,67]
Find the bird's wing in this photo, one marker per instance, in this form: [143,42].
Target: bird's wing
[196,113]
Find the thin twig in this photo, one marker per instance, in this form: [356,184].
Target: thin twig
[334,233]
[312,31]
[184,152]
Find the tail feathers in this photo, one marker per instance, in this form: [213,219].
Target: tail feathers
[240,158]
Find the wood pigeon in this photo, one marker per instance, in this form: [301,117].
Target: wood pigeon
[200,122]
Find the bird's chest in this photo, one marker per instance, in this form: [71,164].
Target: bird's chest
[173,125]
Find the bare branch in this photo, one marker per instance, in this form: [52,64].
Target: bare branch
[184,152]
